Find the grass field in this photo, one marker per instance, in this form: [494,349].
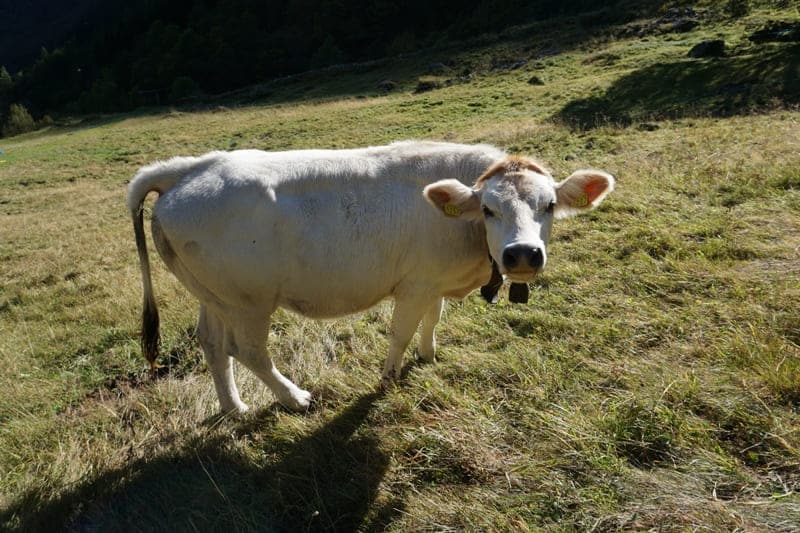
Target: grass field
[652,382]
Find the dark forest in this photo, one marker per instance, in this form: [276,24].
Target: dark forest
[157,51]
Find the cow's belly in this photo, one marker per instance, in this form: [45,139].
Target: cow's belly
[235,272]
[328,304]
[333,294]
[243,252]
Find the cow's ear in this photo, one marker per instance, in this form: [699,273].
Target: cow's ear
[454,199]
[582,191]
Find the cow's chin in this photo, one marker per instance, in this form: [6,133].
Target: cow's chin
[522,277]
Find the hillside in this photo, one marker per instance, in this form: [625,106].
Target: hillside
[651,383]
[117,56]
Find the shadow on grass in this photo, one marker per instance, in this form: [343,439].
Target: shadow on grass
[764,78]
[327,480]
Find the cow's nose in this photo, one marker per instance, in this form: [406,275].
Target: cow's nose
[523,256]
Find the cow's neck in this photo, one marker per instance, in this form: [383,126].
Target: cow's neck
[471,254]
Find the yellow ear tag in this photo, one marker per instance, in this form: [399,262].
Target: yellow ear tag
[452,210]
[580,201]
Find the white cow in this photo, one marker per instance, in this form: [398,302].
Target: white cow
[330,232]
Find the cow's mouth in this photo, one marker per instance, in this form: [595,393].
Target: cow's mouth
[522,276]
[518,291]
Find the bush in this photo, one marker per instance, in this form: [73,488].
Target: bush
[19,121]
[327,54]
[737,8]
[183,87]
[46,122]
[404,43]
[6,91]
[104,96]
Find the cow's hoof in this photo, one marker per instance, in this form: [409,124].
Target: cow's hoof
[426,356]
[426,349]
[386,382]
[236,410]
[299,401]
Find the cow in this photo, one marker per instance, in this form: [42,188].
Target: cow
[325,233]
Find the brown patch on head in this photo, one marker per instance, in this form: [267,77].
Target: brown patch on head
[512,164]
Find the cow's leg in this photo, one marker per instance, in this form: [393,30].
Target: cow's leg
[427,337]
[407,314]
[211,334]
[251,336]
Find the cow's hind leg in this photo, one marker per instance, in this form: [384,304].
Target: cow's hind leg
[251,336]
[407,314]
[427,337]
[211,334]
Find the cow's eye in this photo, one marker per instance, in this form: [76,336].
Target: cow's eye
[550,208]
[488,213]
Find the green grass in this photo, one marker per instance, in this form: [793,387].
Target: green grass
[652,382]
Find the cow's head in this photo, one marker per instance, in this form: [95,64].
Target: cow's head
[517,200]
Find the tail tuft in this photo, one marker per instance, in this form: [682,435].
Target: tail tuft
[150,340]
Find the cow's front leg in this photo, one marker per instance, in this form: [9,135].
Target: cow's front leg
[427,337]
[407,315]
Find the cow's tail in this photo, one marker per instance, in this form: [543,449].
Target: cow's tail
[159,177]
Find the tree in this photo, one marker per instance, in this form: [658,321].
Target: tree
[6,83]
[19,121]
[182,88]
[737,8]
[6,88]
[327,54]
[104,96]
[403,43]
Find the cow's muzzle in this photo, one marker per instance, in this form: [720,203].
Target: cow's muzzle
[523,260]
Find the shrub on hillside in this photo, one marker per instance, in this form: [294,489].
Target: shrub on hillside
[737,8]
[46,122]
[327,54]
[104,96]
[18,121]
[183,88]
[6,84]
